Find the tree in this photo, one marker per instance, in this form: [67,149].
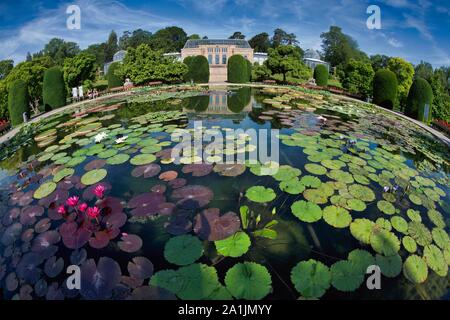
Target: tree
[405,73]
[284,59]
[339,48]
[321,75]
[385,88]
[260,42]
[170,39]
[134,39]
[78,69]
[18,101]
[98,50]
[144,64]
[53,89]
[281,37]
[58,50]
[420,95]
[379,61]
[4,114]
[114,80]
[237,35]
[358,77]
[5,68]
[198,69]
[441,101]
[111,46]
[29,56]
[194,37]
[424,70]
[260,72]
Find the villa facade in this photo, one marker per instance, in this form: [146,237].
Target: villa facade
[217,52]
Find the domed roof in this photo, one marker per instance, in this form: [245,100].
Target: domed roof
[312,54]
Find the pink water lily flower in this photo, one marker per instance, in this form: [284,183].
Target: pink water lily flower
[99,191]
[72,201]
[93,212]
[82,207]
[62,210]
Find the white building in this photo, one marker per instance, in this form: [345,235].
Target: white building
[312,59]
[118,57]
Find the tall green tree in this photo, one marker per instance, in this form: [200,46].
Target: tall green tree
[237,35]
[134,39]
[111,46]
[358,77]
[4,114]
[379,61]
[424,70]
[53,89]
[98,50]
[194,37]
[58,50]
[260,42]
[170,39]
[281,37]
[144,64]
[5,68]
[405,74]
[285,59]
[441,101]
[79,69]
[18,101]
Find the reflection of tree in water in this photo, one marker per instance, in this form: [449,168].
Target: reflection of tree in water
[135,109]
[198,104]
[239,100]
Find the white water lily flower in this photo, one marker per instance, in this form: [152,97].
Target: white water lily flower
[121,140]
[100,137]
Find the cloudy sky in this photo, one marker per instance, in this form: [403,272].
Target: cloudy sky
[413,29]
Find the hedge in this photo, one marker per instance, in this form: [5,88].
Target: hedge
[249,70]
[385,89]
[238,69]
[198,69]
[113,80]
[18,101]
[419,95]
[321,75]
[53,89]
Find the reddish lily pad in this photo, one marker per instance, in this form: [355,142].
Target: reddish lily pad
[209,225]
[198,170]
[130,243]
[147,171]
[140,268]
[200,195]
[168,176]
[99,280]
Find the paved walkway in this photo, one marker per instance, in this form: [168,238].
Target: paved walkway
[14,131]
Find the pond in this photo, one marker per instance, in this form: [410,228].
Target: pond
[344,186]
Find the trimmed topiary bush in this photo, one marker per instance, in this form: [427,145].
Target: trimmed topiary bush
[198,69]
[237,69]
[321,75]
[53,89]
[249,70]
[385,89]
[419,95]
[114,81]
[18,101]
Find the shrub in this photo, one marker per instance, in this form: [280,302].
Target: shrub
[321,75]
[53,89]
[198,69]
[385,89]
[3,100]
[249,70]
[114,80]
[237,69]
[18,101]
[419,95]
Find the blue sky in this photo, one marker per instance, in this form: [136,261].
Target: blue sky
[413,29]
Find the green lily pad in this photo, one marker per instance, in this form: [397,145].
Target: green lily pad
[234,246]
[414,215]
[220,293]
[315,196]
[311,278]
[345,277]
[399,224]
[435,260]
[286,173]
[107,154]
[315,169]
[361,192]
[306,211]
[361,229]
[45,157]
[386,207]
[142,159]
[420,233]
[384,242]
[93,176]
[310,181]
[356,205]
[183,250]
[337,217]
[391,266]
[415,199]
[61,174]
[361,259]
[292,186]
[248,280]
[441,238]
[75,161]
[415,269]
[341,176]
[409,244]
[436,217]
[118,159]
[384,223]
[260,194]
[44,190]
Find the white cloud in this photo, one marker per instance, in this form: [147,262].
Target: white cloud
[395,43]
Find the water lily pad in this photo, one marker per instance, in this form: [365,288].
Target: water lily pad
[142,159]
[420,233]
[118,159]
[345,277]
[198,170]
[146,171]
[386,207]
[44,190]
[286,173]
[409,244]
[310,181]
[53,266]
[316,196]
[361,192]
[140,268]
[260,194]
[315,169]
[399,224]
[415,269]
[61,174]
[441,238]
[356,205]
[414,215]
[230,170]
[292,186]
[99,280]
[337,217]
[306,211]
[248,280]
[361,229]
[436,217]
[234,246]
[93,176]
[212,226]
[391,266]
[311,278]
[183,250]
[361,259]
[384,242]
[130,243]
[435,260]
[193,195]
